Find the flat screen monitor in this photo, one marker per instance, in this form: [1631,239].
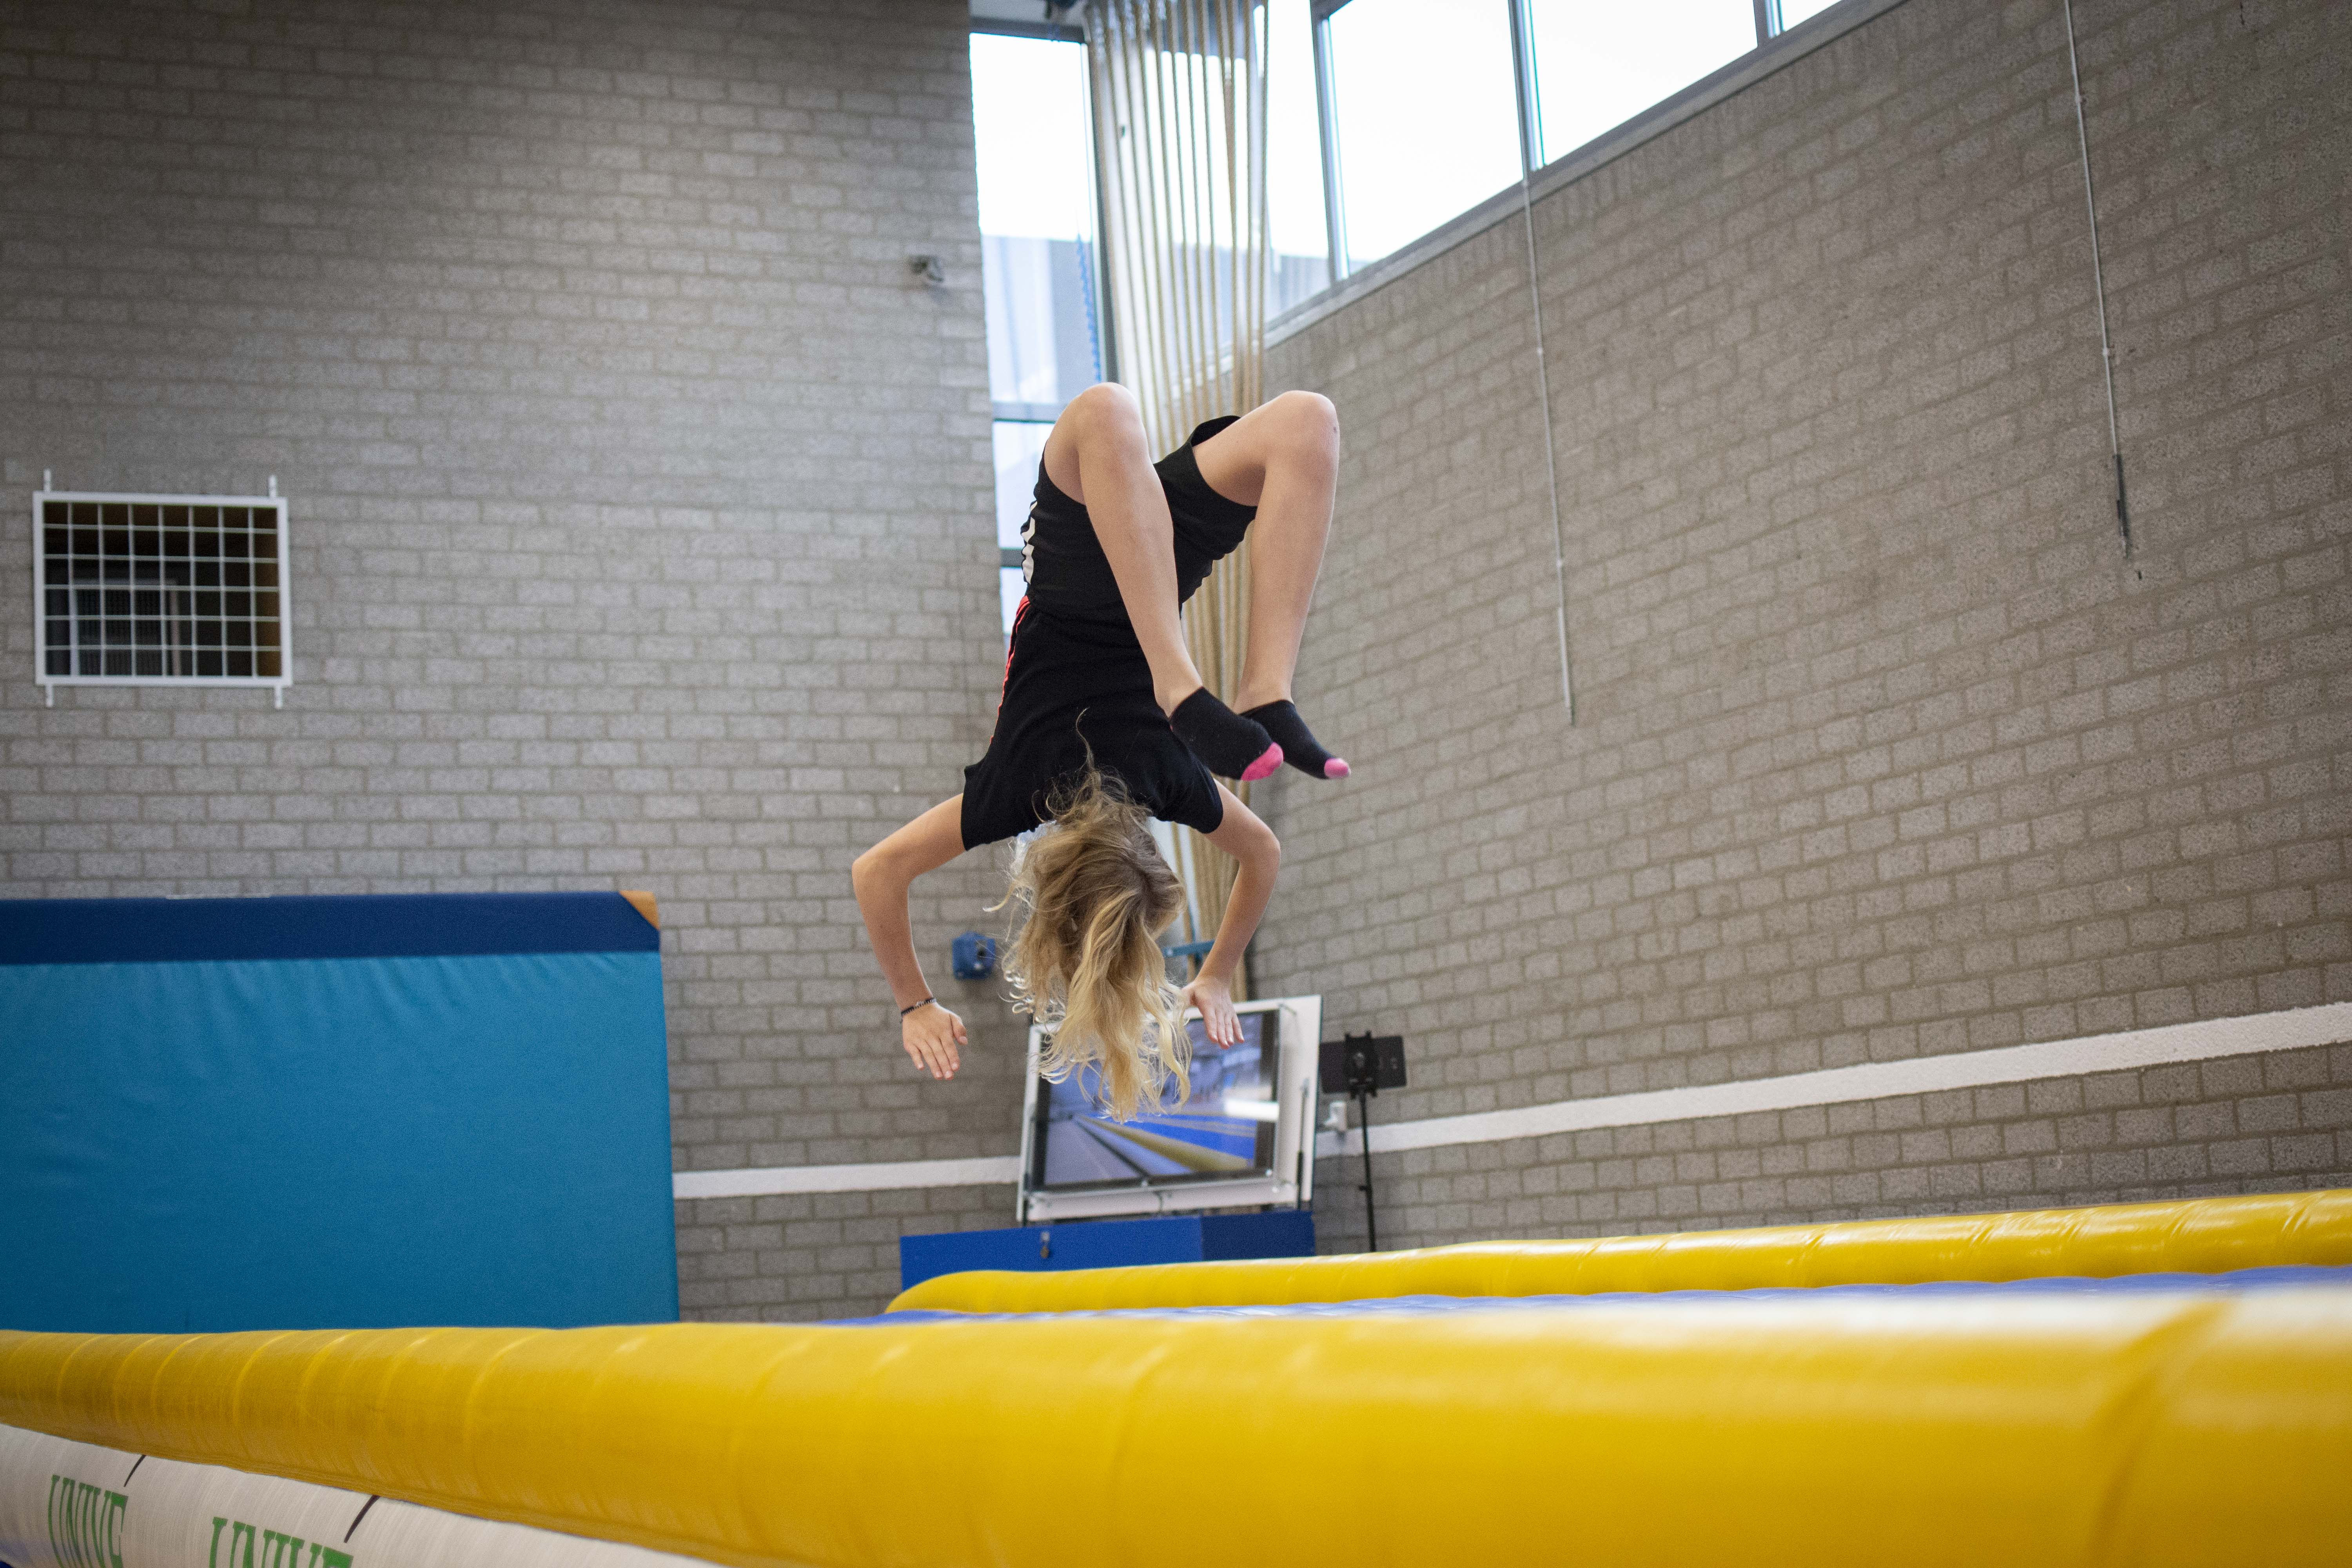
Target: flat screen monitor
[1232,1136]
[1222,1128]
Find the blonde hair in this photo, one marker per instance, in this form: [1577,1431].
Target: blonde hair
[1087,962]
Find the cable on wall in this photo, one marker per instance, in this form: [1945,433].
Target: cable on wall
[1551,460]
[1530,141]
[2099,286]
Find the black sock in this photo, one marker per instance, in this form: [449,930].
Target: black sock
[1299,747]
[1232,746]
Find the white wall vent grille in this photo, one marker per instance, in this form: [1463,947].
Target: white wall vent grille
[160,590]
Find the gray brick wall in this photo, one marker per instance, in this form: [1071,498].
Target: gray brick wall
[2281,1122]
[1882,749]
[641,497]
[641,510]
[819,1255]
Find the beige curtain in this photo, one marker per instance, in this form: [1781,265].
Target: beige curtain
[1179,136]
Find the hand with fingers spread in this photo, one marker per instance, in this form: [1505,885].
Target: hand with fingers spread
[934,1037]
[1214,998]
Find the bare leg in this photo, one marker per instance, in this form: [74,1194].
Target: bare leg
[1097,457]
[1282,457]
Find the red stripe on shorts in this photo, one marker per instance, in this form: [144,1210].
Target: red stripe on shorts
[1019,610]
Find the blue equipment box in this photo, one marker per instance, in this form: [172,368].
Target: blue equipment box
[1109,1243]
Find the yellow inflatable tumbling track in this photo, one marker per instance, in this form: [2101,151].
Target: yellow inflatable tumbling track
[2200,1417]
[2207,1235]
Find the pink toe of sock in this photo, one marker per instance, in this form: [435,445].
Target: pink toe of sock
[1337,768]
[1263,765]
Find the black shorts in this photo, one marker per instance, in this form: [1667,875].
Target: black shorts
[1063,563]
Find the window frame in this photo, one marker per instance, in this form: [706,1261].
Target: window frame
[273,502]
[1523,75]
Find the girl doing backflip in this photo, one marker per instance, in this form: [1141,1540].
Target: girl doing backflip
[1104,723]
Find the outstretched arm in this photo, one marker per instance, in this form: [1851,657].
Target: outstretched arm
[1250,841]
[932,1035]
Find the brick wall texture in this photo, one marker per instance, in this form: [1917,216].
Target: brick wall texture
[1882,748]
[641,498]
[643,539]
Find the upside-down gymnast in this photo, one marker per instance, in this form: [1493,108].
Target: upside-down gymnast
[1103,721]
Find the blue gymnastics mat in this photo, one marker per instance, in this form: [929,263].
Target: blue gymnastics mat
[332,1112]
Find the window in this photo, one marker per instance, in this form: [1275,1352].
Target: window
[1387,118]
[160,590]
[1032,128]
[1020,444]
[1598,63]
[1425,110]
[1423,114]
[1035,156]
[1301,239]
[1033,141]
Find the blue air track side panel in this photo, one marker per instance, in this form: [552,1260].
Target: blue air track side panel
[332,1112]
